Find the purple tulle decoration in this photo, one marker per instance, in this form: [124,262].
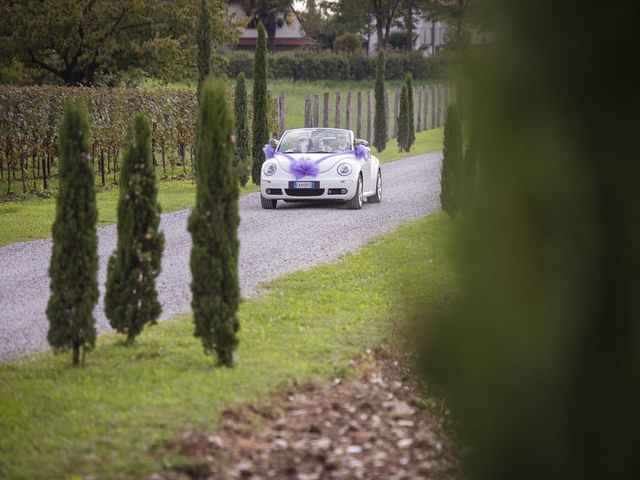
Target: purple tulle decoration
[303,168]
[361,152]
[269,151]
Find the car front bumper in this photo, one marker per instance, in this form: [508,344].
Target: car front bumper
[336,188]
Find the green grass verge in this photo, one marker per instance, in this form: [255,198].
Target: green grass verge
[426,142]
[58,421]
[25,220]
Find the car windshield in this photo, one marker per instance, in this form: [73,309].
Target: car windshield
[316,140]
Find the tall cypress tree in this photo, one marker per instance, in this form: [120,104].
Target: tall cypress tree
[452,164]
[203,40]
[131,299]
[242,130]
[260,104]
[74,260]
[412,125]
[403,121]
[213,225]
[380,118]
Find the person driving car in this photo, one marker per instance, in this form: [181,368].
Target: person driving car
[343,142]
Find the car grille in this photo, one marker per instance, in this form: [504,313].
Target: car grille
[304,192]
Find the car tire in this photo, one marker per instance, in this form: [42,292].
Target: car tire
[267,203]
[377,197]
[356,202]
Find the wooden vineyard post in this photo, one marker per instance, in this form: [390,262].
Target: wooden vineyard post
[325,113]
[347,118]
[338,109]
[316,110]
[359,116]
[307,112]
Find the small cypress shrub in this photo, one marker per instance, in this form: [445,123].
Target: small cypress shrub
[241,160]
[260,104]
[403,121]
[74,259]
[213,225]
[452,164]
[203,40]
[380,118]
[412,124]
[131,299]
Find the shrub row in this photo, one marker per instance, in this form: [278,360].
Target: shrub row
[30,117]
[328,66]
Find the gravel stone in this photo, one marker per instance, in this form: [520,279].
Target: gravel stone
[272,243]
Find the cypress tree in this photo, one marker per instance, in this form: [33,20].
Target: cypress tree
[403,121]
[451,172]
[242,130]
[380,118]
[260,104]
[131,299]
[74,259]
[203,40]
[412,124]
[213,225]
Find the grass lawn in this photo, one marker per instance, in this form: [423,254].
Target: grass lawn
[58,421]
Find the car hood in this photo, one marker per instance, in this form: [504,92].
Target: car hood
[323,166]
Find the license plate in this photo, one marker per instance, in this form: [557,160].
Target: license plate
[305,184]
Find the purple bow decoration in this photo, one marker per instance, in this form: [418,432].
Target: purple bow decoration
[269,151]
[303,167]
[361,152]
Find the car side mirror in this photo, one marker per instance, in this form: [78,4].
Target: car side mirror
[360,141]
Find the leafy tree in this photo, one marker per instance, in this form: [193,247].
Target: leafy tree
[74,259]
[267,12]
[348,43]
[403,121]
[203,39]
[260,128]
[455,14]
[452,164]
[102,41]
[412,125]
[213,225]
[380,120]
[131,299]
[242,157]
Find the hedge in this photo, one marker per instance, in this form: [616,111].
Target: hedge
[307,65]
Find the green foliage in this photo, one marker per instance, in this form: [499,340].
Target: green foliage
[131,299]
[398,40]
[324,65]
[469,172]
[348,43]
[91,42]
[411,117]
[260,130]
[451,175]
[403,121]
[243,154]
[203,40]
[380,120]
[74,259]
[542,360]
[213,225]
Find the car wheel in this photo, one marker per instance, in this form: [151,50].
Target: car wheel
[356,202]
[377,197]
[267,203]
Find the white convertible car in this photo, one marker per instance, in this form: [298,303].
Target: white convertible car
[310,164]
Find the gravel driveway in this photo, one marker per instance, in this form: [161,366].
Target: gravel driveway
[272,243]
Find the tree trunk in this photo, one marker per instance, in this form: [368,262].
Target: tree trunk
[22,177]
[76,354]
[102,172]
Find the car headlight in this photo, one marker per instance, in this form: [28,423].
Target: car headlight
[344,169]
[269,169]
